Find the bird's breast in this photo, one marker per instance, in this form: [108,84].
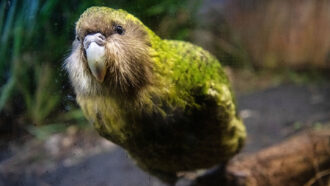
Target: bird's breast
[179,140]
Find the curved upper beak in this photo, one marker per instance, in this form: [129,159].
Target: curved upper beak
[94,45]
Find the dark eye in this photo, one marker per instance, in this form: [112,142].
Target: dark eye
[119,30]
[77,38]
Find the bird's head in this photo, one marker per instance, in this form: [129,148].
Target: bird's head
[110,54]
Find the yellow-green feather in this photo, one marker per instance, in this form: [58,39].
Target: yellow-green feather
[186,80]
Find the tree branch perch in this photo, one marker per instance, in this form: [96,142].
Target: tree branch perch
[301,160]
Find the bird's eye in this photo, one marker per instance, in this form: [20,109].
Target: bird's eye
[77,38]
[119,30]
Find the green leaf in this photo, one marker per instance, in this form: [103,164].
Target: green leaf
[42,132]
[6,91]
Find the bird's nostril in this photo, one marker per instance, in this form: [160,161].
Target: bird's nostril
[98,38]
[101,36]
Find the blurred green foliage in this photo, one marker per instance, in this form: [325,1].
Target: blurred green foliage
[37,34]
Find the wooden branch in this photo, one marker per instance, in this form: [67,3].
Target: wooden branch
[301,160]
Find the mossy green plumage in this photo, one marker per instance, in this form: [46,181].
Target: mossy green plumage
[183,120]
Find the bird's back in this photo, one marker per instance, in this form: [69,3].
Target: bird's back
[205,130]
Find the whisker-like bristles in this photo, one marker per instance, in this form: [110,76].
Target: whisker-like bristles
[127,59]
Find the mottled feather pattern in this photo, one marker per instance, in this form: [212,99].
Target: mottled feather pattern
[168,103]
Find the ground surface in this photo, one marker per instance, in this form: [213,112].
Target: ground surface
[81,157]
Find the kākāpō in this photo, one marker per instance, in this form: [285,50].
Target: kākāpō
[167,103]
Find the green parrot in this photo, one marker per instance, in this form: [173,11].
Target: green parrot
[167,103]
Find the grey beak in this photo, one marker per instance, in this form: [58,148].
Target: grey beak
[94,45]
